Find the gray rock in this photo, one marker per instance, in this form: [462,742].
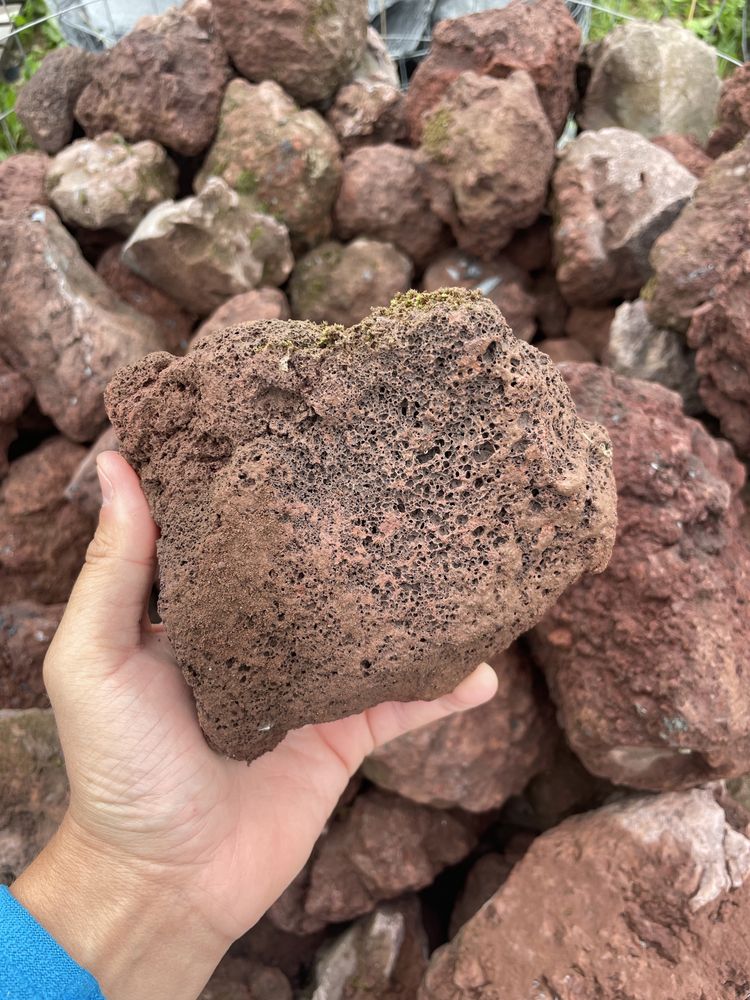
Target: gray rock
[376,65]
[653,78]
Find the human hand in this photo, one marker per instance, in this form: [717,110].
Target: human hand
[169,851]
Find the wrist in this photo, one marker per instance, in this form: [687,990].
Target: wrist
[131,925]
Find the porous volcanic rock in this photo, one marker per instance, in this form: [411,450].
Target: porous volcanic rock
[480,497]
[653,78]
[26,630]
[202,250]
[43,538]
[61,326]
[484,879]
[384,195]
[367,111]
[643,661]
[379,848]
[337,283]
[614,193]
[475,760]
[564,349]
[22,183]
[538,36]
[33,787]
[492,153]
[500,280]
[83,488]
[105,183]
[249,307]
[686,150]
[590,327]
[310,47]
[629,901]
[284,161]
[15,394]
[46,103]
[174,323]
[733,122]
[640,350]
[244,979]
[163,82]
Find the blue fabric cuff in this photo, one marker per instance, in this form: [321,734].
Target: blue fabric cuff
[33,966]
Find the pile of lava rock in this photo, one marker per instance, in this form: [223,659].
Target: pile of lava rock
[586,833]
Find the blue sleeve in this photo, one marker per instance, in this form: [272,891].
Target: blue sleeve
[33,966]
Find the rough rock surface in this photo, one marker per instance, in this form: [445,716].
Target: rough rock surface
[538,36]
[105,183]
[164,82]
[484,879]
[174,323]
[46,103]
[653,78]
[336,283]
[15,394]
[645,661]
[381,847]
[480,497]
[310,48]
[43,538]
[382,955]
[384,195]
[563,788]
[376,64]
[640,350]
[590,327]
[478,759]
[33,787]
[83,487]
[686,150]
[733,122]
[662,915]
[500,280]
[564,349]
[263,303]
[614,193]
[22,183]
[61,326]
[244,979]
[202,250]
[26,630]
[282,160]
[367,111]
[492,152]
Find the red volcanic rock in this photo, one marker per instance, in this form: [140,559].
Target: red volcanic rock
[26,629]
[484,879]
[475,760]
[733,116]
[22,183]
[564,349]
[15,394]
[285,602]
[83,488]
[564,787]
[551,309]
[46,103]
[538,36]
[590,327]
[367,111]
[531,249]
[262,303]
[644,660]
[43,538]
[244,979]
[384,195]
[629,901]
[310,48]
[686,150]
[163,81]
[492,154]
[500,280]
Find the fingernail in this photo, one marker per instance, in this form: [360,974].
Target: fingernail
[105,484]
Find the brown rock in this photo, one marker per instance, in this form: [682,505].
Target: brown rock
[367,111]
[175,325]
[686,150]
[468,524]
[163,82]
[614,193]
[643,661]
[341,284]
[629,901]
[22,183]
[310,48]
[539,36]
[15,394]
[244,979]
[492,152]
[292,953]
[250,307]
[484,879]
[500,280]
[564,787]
[564,349]
[26,630]
[46,103]
[531,248]
[61,326]
[384,195]
[550,308]
[478,759]
[83,488]
[43,538]
[590,327]
[376,64]
[733,116]
[283,161]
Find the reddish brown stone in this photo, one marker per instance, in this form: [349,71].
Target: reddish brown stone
[484,879]
[15,394]
[268,944]
[367,111]
[83,488]
[22,183]
[538,36]
[478,759]
[46,103]
[244,979]
[550,307]
[285,602]
[26,630]
[686,150]
[644,660]
[250,307]
[564,787]
[590,327]
[733,116]
[43,538]
[564,349]
[531,249]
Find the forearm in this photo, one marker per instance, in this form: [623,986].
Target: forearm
[125,924]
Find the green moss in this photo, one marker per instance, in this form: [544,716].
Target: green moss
[413,300]
[247,182]
[648,290]
[436,133]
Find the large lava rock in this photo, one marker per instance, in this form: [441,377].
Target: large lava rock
[22,183]
[645,662]
[644,898]
[46,103]
[26,630]
[249,307]
[351,516]
[734,112]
